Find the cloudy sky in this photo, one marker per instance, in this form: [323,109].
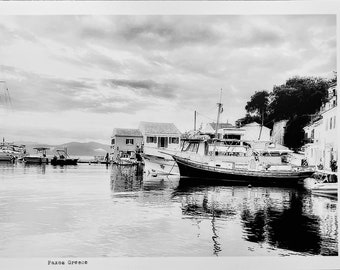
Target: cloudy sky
[75,78]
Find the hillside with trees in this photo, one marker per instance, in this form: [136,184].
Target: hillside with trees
[296,101]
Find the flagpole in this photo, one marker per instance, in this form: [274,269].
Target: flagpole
[219,105]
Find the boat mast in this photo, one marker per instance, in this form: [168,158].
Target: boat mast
[219,111]
[5,98]
[195,120]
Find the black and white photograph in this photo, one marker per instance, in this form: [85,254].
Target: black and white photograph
[143,135]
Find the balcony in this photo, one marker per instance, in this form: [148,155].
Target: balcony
[308,140]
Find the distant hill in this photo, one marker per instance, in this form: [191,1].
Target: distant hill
[86,149]
[73,148]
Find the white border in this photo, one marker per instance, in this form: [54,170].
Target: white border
[167,7]
[176,8]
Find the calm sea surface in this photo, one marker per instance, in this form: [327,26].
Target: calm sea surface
[109,211]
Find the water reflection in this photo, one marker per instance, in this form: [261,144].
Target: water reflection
[133,178]
[126,178]
[114,211]
[284,218]
[291,228]
[40,168]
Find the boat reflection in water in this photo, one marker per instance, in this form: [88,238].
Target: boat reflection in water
[126,178]
[133,178]
[178,217]
[39,168]
[271,218]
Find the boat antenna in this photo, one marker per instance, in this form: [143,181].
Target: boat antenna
[219,111]
[4,95]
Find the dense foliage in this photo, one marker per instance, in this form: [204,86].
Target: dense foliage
[296,101]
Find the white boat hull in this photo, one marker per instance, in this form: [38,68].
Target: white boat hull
[325,188]
[6,157]
[160,165]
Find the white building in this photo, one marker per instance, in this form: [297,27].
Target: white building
[321,134]
[231,133]
[278,132]
[160,135]
[125,142]
[253,131]
[210,128]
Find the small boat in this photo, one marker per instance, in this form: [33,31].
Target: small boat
[39,158]
[126,161]
[6,157]
[102,159]
[128,158]
[62,158]
[324,183]
[9,152]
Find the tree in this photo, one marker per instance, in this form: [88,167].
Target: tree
[295,101]
[312,92]
[284,104]
[247,119]
[294,135]
[258,104]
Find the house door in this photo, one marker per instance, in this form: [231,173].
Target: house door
[163,142]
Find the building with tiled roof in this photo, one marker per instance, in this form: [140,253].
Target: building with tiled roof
[129,132]
[158,128]
[160,135]
[125,142]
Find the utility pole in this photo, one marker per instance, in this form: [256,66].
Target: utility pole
[219,111]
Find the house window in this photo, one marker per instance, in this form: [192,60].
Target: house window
[330,123]
[312,134]
[113,141]
[151,139]
[129,141]
[174,140]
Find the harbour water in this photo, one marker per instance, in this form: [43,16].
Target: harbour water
[109,211]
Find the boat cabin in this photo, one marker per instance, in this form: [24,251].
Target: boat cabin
[42,150]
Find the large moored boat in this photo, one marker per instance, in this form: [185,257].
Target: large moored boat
[237,160]
[234,160]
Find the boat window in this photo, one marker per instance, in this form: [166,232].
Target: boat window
[151,139]
[192,147]
[232,142]
[234,154]
[271,154]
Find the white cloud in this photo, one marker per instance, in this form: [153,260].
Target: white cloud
[156,68]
